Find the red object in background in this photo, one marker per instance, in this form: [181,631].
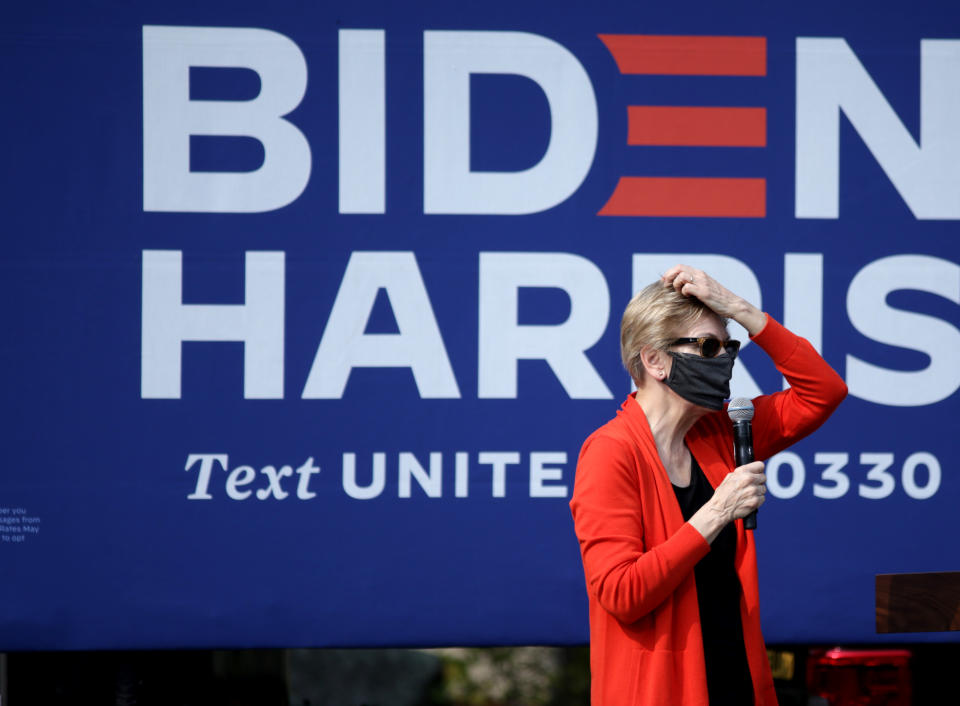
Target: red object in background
[678,55]
[698,197]
[860,677]
[690,126]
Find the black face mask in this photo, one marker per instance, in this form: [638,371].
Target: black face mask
[703,381]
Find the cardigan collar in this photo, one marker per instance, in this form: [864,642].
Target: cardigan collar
[639,427]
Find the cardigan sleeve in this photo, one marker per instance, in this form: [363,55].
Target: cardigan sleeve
[815,391]
[628,578]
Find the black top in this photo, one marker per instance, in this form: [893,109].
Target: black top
[718,594]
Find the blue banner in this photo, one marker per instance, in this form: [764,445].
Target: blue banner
[308,307]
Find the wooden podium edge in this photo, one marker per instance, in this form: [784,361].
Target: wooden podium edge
[920,602]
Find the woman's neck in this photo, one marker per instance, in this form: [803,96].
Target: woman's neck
[669,417]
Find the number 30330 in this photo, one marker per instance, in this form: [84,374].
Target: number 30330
[872,475]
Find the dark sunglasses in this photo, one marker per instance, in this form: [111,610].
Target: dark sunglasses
[710,347]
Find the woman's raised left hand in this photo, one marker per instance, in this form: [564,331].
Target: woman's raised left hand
[692,282]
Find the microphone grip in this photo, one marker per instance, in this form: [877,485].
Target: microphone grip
[743,454]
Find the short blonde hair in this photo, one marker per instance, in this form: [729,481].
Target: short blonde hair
[653,318]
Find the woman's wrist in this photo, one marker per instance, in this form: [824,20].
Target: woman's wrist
[708,521]
[751,318]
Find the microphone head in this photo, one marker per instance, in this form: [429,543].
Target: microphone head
[740,409]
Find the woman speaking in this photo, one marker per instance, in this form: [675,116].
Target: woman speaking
[658,505]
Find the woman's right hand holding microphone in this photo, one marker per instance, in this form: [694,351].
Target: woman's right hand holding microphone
[740,493]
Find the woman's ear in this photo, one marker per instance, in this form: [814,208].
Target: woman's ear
[654,362]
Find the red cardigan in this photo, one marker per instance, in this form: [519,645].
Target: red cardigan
[638,553]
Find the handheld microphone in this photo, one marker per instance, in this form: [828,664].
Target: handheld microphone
[740,411]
